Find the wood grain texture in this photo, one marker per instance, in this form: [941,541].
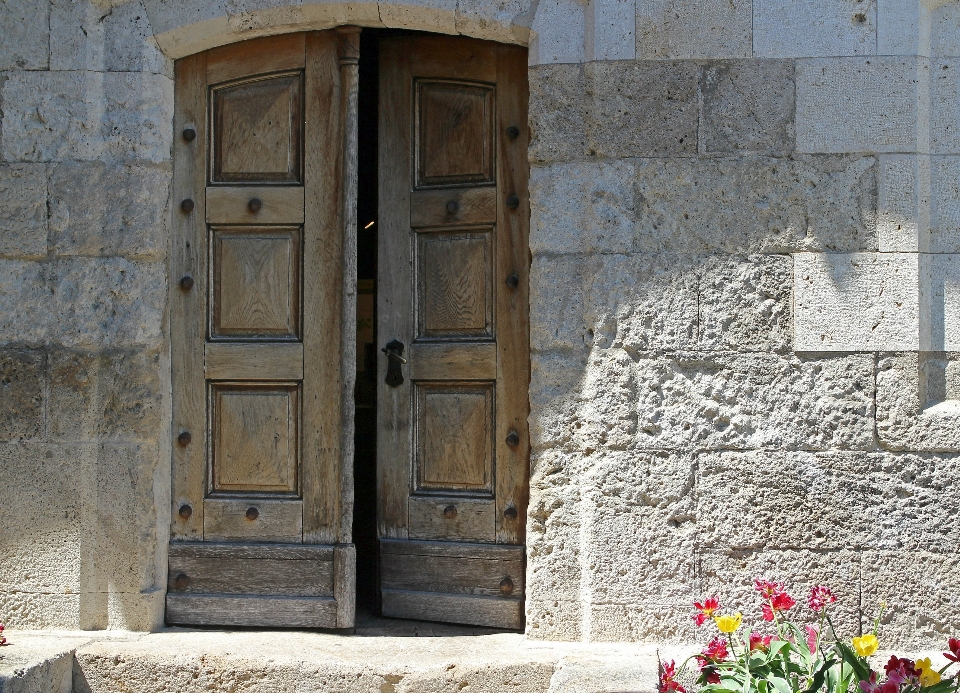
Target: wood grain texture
[453,435]
[258,130]
[255,437]
[256,56]
[451,574]
[255,283]
[491,552]
[454,132]
[348,53]
[322,293]
[345,584]
[428,208]
[226,361]
[513,305]
[479,610]
[263,576]
[395,281]
[454,285]
[279,205]
[187,308]
[269,611]
[436,361]
[280,521]
[475,519]
[273,552]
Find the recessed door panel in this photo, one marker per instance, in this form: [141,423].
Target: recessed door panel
[255,437]
[257,130]
[455,133]
[256,283]
[454,284]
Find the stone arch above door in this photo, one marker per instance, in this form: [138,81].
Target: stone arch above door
[182,29]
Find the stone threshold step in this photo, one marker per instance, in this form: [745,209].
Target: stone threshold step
[195,661]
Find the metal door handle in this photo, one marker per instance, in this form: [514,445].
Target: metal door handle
[394,352]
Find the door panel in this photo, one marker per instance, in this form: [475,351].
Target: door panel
[452,435]
[257,457]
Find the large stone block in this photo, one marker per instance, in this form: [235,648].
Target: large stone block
[23,210]
[748,106]
[944,30]
[558,113]
[813,28]
[111,395]
[945,204]
[922,591]
[657,302]
[898,27]
[859,104]
[755,205]
[109,209]
[613,109]
[86,116]
[945,106]
[911,413]
[903,219]
[557,34]
[856,302]
[647,622]
[644,108]
[694,29]
[22,386]
[610,30]
[730,575]
[492,20]
[940,302]
[702,401]
[26,35]
[27,312]
[112,38]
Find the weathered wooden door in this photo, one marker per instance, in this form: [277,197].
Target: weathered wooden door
[261,381]
[453,318]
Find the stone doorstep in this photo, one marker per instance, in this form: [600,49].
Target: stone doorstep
[187,661]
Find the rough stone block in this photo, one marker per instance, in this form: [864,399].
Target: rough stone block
[26,35]
[856,302]
[112,38]
[903,219]
[557,34]
[23,210]
[105,396]
[583,207]
[730,576]
[702,29]
[417,15]
[858,104]
[945,204]
[748,106]
[494,20]
[610,30]
[753,205]
[558,112]
[643,108]
[648,622]
[944,30]
[940,302]
[922,591]
[22,385]
[26,309]
[813,28]
[41,610]
[907,419]
[945,106]
[39,663]
[108,209]
[898,27]
[702,401]
[86,116]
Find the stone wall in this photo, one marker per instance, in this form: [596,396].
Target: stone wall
[746,263]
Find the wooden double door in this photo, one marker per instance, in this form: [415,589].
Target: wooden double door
[263,311]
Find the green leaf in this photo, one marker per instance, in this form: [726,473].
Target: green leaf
[819,676]
[779,684]
[856,663]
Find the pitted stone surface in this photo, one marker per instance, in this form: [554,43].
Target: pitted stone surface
[748,106]
[944,113]
[859,104]
[26,35]
[23,210]
[108,209]
[787,28]
[697,401]
[748,205]
[22,385]
[694,29]
[39,663]
[906,419]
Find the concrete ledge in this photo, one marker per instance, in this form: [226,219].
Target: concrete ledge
[39,663]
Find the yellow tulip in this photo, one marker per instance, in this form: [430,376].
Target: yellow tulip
[928,675]
[728,624]
[866,645]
